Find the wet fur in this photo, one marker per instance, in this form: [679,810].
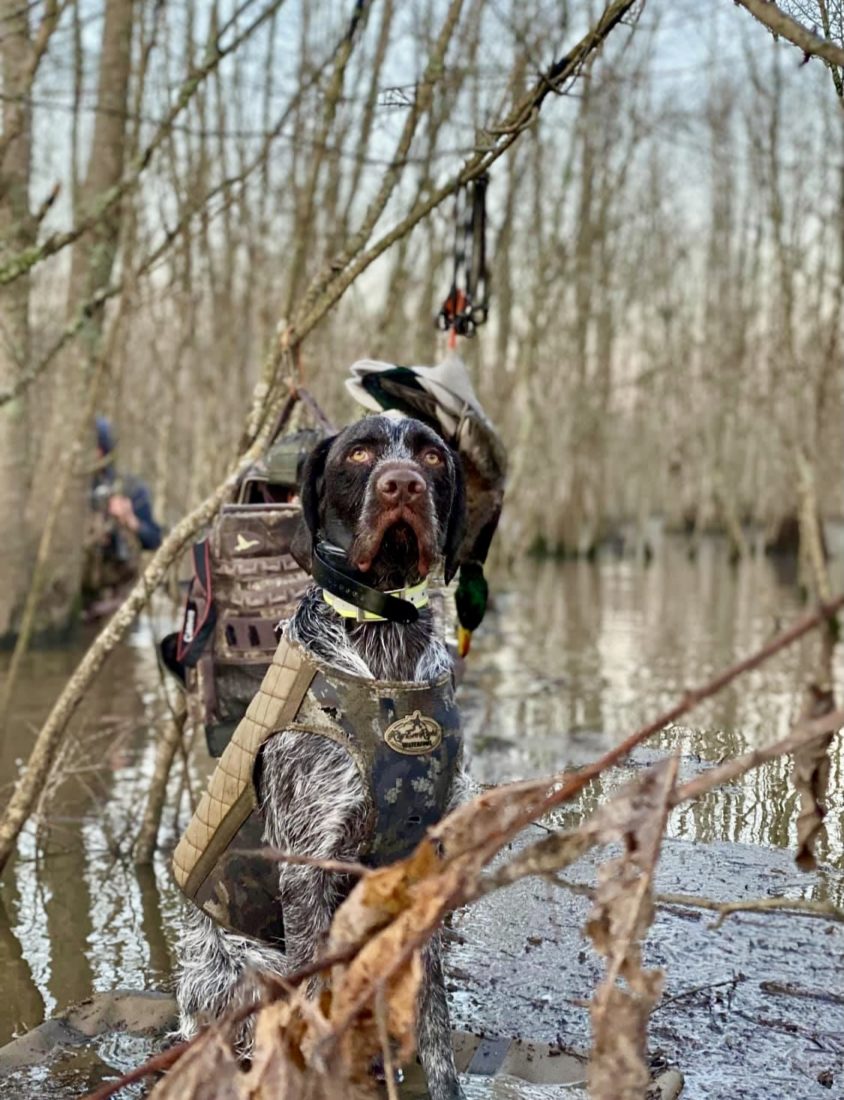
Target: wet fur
[311,793]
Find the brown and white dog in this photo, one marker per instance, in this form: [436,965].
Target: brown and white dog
[388,492]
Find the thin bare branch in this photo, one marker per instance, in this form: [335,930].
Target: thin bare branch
[817,908]
[22,262]
[780,24]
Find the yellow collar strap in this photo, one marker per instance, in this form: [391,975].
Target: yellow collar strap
[417,595]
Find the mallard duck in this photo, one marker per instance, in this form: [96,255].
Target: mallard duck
[443,397]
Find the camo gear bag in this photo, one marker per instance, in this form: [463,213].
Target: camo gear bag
[245,582]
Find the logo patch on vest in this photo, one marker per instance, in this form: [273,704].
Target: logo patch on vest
[414,735]
[243,544]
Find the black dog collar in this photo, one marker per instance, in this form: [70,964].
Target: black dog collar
[331,571]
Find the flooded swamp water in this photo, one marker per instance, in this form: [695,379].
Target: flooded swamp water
[571,659]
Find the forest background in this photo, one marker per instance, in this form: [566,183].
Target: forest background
[666,242]
[204,205]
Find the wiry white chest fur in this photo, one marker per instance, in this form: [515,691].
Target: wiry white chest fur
[374,651]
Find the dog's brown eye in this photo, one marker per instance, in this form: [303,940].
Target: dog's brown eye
[432,458]
[359,454]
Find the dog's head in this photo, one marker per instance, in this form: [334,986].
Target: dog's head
[389,492]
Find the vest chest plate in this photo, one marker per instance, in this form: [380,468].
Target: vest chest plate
[404,738]
[406,741]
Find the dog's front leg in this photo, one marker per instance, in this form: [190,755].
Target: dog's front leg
[305,901]
[434,1042]
[314,805]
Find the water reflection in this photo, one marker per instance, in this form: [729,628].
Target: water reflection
[572,658]
[26,1005]
[580,655]
[71,907]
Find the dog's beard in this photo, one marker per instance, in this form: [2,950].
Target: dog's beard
[397,548]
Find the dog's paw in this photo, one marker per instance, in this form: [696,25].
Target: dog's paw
[380,1074]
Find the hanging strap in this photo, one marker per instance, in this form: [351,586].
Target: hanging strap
[467,303]
[200,613]
[476,271]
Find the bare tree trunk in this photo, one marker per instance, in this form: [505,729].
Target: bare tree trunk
[92,263]
[17,231]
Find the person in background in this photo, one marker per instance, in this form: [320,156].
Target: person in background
[128,500]
[121,525]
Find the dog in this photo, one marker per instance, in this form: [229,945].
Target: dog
[388,494]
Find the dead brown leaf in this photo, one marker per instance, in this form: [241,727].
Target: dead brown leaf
[617,1067]
[283,1063]
[280,1066]
[391,914]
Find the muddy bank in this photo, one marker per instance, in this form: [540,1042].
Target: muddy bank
[751,1010]
[81,1048]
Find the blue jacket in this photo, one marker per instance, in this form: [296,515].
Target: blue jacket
[149,532]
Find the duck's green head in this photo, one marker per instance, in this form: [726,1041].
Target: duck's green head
[470,600]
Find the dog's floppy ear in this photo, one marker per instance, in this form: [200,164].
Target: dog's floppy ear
[456,521]
[310,490]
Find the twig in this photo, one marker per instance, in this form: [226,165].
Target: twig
[156,1064]
[804,907]
[699,989]
[53,12]
[811,770]
[313,408]
[384,1040]
[783,26]
[828,1042]
[786,989]
[620,918]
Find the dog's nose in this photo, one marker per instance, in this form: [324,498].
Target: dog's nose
[399,486]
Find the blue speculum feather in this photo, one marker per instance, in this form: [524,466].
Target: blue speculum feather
[392,400]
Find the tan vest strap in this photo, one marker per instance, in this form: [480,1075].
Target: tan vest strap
[230,796]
